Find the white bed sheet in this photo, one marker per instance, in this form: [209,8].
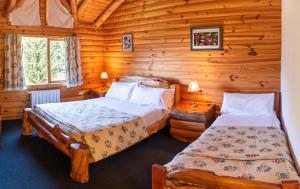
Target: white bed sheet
[247,120]
[149,114]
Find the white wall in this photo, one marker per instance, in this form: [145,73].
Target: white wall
[290,73]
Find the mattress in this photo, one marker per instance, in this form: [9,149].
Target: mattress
[246,147]
[149,114]
[107,126]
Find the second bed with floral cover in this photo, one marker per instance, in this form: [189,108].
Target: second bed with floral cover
[255,153]
[105,130]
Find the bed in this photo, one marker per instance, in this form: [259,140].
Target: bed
[237,151]
[90,130]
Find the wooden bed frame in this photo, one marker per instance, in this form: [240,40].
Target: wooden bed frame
[161,179]
[78,152]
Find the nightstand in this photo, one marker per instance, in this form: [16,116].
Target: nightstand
[96,93]
[188,122]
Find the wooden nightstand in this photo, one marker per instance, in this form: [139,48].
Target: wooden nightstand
[96,93]
[188,122]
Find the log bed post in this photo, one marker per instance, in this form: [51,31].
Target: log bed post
[290,184]
[78,152]
[80,162]
[27,128]
[159,177]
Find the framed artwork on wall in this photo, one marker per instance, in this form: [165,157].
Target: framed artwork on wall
[206,38]
[127,43]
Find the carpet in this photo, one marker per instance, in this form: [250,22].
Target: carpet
[31,162]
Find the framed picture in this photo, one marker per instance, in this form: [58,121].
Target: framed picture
[206,38]
[127,43]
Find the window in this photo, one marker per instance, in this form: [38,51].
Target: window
[43,60]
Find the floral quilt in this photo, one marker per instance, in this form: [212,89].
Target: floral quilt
[255,153]
[106,131]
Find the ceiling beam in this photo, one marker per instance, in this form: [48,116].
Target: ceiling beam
[67,5]
[74,10]
[107,12]
[83,4]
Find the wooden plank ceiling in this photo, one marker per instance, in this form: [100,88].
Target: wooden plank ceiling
[90,10]
[96,11]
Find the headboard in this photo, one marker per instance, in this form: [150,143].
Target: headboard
[153,82]
[277,103]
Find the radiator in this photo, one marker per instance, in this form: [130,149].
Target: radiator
[44,97]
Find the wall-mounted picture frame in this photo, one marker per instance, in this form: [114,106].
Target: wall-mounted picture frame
[206,38]
[127,42]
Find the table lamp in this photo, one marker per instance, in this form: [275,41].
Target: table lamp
[104,77]
[194,88]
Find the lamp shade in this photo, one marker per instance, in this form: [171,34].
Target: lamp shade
[104,75]
[194,87]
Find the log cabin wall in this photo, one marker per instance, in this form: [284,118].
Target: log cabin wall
[13,102]
[250,60]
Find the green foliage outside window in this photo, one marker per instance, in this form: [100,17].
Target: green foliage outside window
[35,60]
[57,60]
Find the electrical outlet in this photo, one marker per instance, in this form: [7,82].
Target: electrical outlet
[81,93]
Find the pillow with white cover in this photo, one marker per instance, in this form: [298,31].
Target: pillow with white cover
[155,97]
[248,104]
[120,91]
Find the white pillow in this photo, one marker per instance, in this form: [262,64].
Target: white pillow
[120,91]
[248,104]
[147,96]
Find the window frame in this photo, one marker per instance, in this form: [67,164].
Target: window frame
[50,83]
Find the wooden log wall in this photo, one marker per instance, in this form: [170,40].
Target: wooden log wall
[12,102]
[250,60]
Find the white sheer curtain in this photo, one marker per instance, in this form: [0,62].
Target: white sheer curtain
[73,65]
[26,15]
[58,16]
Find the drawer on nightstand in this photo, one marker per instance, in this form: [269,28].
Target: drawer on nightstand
[188,122]
[192,117]
[185,135]
[187,125]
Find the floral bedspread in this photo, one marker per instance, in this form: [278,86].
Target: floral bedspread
[106,131]
[256,153]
